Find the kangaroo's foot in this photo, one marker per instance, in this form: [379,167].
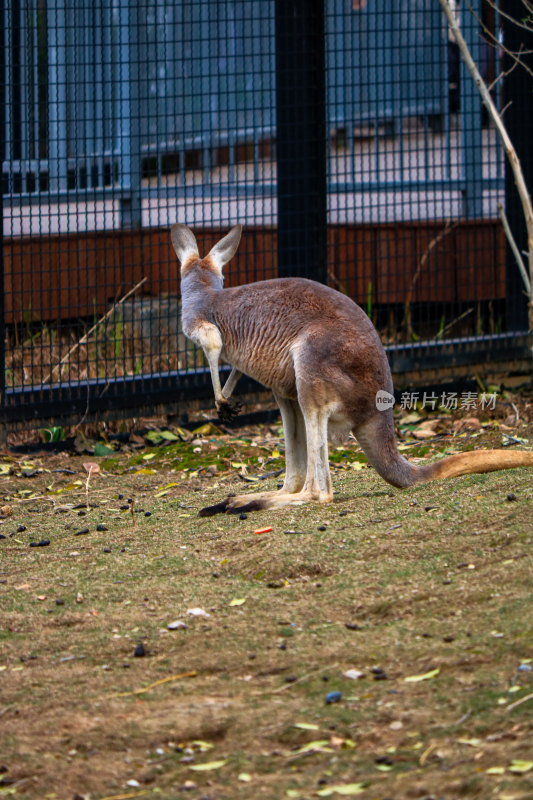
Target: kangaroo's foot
[228,409]
[262,500]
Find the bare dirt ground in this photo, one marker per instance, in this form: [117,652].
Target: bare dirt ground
[381,646]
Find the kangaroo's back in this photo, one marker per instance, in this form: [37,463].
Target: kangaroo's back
[264,325]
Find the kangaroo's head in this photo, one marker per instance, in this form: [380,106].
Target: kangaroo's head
[186,249]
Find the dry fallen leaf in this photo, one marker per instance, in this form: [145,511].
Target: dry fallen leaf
[208,765]
[91,467]
[425,677]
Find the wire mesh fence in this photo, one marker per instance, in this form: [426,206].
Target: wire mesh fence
[346,136]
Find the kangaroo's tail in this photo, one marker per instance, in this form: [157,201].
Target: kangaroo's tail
[378,441]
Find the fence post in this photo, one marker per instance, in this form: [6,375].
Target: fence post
[301,138]
[56,24]
[470,109]
[2,156]
[129,112]
[518,104]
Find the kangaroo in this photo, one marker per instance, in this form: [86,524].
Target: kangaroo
[323,359]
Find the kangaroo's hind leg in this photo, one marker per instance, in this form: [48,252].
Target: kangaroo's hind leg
[307,475]
[295,467]
[295,444]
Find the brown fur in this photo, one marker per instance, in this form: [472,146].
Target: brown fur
[322,358]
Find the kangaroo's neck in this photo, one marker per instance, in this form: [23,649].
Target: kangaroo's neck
[199,288]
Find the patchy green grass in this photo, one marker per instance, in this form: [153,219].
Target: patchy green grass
[431,584]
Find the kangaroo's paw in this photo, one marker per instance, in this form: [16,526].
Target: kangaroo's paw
[218,508]
[228,409]
[259,502]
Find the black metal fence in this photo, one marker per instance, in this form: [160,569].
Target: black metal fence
[345,135]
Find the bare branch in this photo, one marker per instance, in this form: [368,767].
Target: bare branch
[514,248]
[518,23]
[85,338]
[502,132]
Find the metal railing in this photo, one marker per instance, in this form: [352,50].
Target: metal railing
[326,127]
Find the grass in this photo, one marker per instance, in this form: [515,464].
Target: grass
[433,582]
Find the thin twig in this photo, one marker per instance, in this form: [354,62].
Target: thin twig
[299,680]
[519,702]
[441,333]
[515,21]
[514,247]
[190,674]
[496,44]
[510,151]
[85,338]
[448,228]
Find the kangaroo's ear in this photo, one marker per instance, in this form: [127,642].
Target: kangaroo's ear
[224,250]
[184,243]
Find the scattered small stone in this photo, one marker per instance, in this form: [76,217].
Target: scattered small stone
[101,527]
[343,513]
[82,532]
[386,760]
[124,508]
[353,674]
[333,697]
[282,646]
[215,574]
[21,529]
[2,536]
[130,500]
[139,651]
[82,513]
[446,582]
[379,674]
[352,626]
[511,496]
[242,515]
[291,678]
[60,601]
[147,513]
[197,612]
[42,543]
[322,528]
[177,625]
[448,638]
[120,497]
[107,549]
